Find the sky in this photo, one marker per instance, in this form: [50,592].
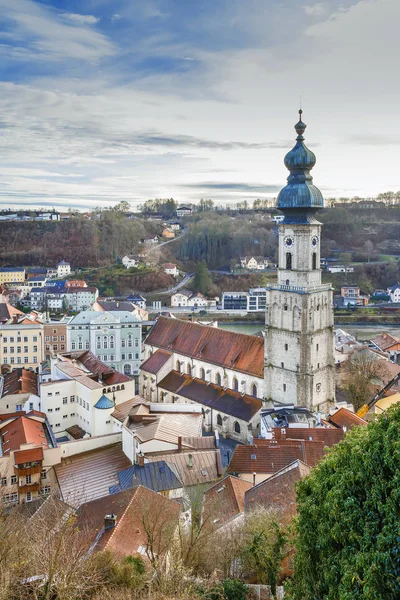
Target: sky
[110,100]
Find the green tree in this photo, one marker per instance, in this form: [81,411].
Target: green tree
[347,545]
[109,292]
[202,278]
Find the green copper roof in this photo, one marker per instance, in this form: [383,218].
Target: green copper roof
[300,193]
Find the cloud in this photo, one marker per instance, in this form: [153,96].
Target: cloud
[83,19]
[374,140]
[236,187]
[315,10]
[37,30]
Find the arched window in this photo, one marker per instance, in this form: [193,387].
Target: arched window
[254,390]
[314,261]
[104,390]
[122,387]
[188,369]
[288,261]
[178,366]
[235,384]
[111,341]
[237,427]
[202,373]
[219,420]
[127,369]
[218,379]
[130,341]
[118,388]
[105,342]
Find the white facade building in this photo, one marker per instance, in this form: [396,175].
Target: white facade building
[130,261]
[115,337]
[63,269]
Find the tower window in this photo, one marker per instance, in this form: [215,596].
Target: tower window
[284,387]
[317,347]
[288,261]
[314,261]
[285,307]
[286,347]
[282,365]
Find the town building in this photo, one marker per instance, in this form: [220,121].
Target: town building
[170,269]
[11,274]
[138,300]
[21,343]
[37,281]
[57,298]
[19,391]
[299,360]
[223,502]
[174,225]
[123,305]
[340,269]
[183,211]
[82,394]
[353,296]
[130,523]
[63,269]
[168,233]
[254,263]
[8,312]
[55,337]
[28,454]
[130,260]
[115,337]
[252,301]
[385,342]
[394,293]
[75,283]
[186,298]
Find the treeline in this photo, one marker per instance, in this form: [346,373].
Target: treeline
[219,239]
[83,242]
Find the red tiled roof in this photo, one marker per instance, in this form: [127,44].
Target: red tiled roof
[228,349]
[268,456]
[225,500]
[346,418]
[278,491]
[20,381]
[29,455]
[156,361]
[329,435]
[135,510]
[384,341]
[22,430]
[97,367]
[209,394]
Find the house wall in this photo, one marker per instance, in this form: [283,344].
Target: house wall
[91,443]
[21,346]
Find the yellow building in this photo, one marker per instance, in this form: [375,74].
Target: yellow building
[384,403]
[11,274]
[21,345]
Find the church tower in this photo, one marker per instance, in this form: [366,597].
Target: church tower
[299,360]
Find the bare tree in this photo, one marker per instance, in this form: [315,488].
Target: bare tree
[362,370]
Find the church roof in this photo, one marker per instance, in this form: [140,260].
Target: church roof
[300,193]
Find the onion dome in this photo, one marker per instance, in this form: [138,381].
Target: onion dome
[300,193]
[104,403]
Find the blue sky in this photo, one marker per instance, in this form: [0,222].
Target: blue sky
[109,100]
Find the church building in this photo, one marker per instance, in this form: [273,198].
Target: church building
[299,359]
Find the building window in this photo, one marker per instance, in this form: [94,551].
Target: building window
[123,343]
[62,338]
[18,407]
[105,342]
[72,399]
[127,369]
[235,384]
[35,348]
[284,387]
[34,339]
[28,478]
[237,427]
[218,379]
[43,474]
[314,261]
[254,390]
[45,490]
[26,359]
[219,420]
[286,347]
[288,261]
[130,342]
[87,345]
[188,369]
[112,342]
[12,360]
[19,349]
[178,366]
[26,349]
[13,479]
[29,496]
[65,416]
[8,498]
[202,373]
[4,481]
[317,347]
[73,346]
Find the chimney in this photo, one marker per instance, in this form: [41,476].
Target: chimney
[15,319]
[110,521]
[190,461]
[140,460]
[179,443]
[254,479]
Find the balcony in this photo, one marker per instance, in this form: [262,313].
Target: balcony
[21,472]
[29,487]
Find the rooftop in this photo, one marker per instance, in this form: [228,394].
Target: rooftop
[24,429]
[158,476]
[195,467]
[345,418]
[209,394]
[156,361]
[20,381]
[87,476]
[225,500]
[224,348]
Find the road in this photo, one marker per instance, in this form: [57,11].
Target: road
[173,289]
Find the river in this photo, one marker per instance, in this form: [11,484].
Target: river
[362,332]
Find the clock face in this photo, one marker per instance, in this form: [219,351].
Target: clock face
[289,241]
[314,241]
